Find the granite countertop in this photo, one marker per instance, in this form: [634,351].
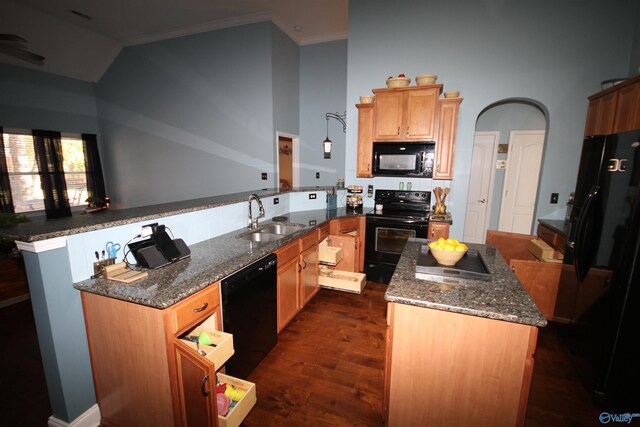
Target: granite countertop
[42,229]
[209,262]
[556,225]
[502,298]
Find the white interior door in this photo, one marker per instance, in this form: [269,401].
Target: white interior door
[483,163]
[521,183]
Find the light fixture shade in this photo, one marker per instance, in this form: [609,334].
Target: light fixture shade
[326,147]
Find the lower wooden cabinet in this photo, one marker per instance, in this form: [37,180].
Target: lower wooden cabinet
[352,232]
[147,373]
[297,276]
[438,230]
[446,368]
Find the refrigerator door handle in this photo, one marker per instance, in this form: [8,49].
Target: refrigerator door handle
[579,264]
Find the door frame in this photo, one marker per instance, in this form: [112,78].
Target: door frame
[492,178]
[295,146]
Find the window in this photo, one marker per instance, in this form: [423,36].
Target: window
[25,179]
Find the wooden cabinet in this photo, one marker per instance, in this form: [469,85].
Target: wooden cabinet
[365,141]
[297,276]
[409,114]
[144,374]
[352,232]
[438,230]
[614,110]
[446,139]
[446,368]
[551,237]
[406,114]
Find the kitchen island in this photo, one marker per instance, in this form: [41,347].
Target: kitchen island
[460,352]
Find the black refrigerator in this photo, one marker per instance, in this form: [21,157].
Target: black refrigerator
[597,310]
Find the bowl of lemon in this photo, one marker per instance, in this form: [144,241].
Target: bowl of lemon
[447,251]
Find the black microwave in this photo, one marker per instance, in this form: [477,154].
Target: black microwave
[412,159]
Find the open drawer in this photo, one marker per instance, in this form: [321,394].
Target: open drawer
[237,413]
[341,280]
[330,255]
[221,348]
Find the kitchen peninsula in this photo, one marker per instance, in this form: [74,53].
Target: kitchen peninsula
[60,253]
[460,352]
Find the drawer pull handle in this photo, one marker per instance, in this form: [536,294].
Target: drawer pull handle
[299,267]
[204,391]
[203,308]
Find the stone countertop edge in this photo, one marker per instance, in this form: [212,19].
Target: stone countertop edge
[502,298]
[210,261]
[41,229]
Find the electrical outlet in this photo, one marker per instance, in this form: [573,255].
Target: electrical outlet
[264,176]
[312,196]
[554,198]
[312,222]
[317,175]
[276,200]
[147,230]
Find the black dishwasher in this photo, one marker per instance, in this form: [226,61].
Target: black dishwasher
[250,313]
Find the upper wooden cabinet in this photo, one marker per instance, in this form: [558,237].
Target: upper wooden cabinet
[414,113]
[614,110]
[406,114]
[446,140]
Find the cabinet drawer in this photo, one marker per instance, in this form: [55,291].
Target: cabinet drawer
[238,413]
[195,308]
[546,234]
[222,343]
[287,253]
[308,241]
[341,280]
[344,225]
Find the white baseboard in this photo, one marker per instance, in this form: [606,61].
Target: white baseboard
[90,418]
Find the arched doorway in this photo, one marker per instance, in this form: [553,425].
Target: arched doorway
[505,168]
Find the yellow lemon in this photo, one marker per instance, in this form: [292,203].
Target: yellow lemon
[449,247]
[433,244]
[452,241]
[442,241]
[461,247]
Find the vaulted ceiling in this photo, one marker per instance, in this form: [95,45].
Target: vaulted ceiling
[81,38]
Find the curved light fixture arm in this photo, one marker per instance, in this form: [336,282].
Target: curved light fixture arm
[339,117]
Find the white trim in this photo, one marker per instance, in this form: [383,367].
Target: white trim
[42,245]
[201,28]
[341,35]
[90,418]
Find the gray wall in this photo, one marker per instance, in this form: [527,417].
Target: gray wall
[505,118]
[35,100]
[543,50]
[323,89]
[189,117]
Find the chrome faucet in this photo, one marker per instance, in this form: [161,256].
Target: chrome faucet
[253,223]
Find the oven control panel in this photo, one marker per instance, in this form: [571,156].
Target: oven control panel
[383,196]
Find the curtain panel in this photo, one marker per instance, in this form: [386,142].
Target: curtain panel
[48,148]
[95,179]
[6,199]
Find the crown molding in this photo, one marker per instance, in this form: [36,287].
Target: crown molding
[342,35]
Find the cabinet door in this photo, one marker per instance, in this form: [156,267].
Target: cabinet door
[349,245]
[196,388]
[601,115]
[388,116]
[628,109]
[308,274]
[365,140]
[446,141]
[438,230]
[419,118]
[288,299]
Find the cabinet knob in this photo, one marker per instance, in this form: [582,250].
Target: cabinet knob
[203,390]
[368,167]
[203,308]
[299,267]
[433,232]
[438,168]
[398,130]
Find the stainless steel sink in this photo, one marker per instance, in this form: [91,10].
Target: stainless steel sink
[270,232]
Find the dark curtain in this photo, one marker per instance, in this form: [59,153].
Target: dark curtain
[48,147]
[95,179]
[6,200]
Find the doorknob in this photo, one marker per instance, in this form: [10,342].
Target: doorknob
[482,201]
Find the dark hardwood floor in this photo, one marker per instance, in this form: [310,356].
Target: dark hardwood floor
[327,370]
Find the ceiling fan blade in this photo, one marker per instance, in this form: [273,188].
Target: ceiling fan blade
[21,54]
[12,38]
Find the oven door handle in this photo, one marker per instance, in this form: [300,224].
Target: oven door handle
[398,220]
